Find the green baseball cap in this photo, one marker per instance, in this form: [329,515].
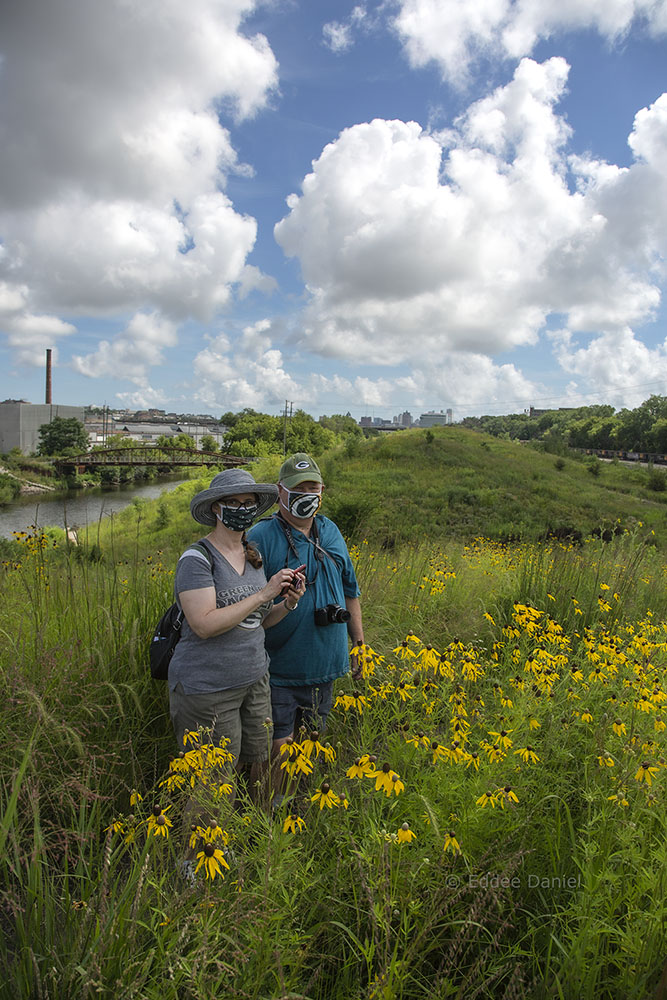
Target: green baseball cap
[300,468]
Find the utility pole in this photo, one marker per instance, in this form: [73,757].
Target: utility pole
[285,425]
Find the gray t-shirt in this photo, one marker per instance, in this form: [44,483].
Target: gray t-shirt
[234,658]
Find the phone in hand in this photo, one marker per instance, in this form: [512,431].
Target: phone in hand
[299,569]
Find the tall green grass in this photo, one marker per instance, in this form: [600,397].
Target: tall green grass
[343,910]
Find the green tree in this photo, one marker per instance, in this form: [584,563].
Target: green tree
[118,441]
[62,435]
[208,443]
[341,424]
[176,441]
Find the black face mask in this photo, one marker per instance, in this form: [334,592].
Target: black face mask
[237,519]
[303,505]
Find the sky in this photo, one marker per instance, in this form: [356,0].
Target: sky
[360,207]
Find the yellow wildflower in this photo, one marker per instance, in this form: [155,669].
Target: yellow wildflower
[293,824]
[405,834]
[488,798]
[646,772]
[451,843]
[325,796]
[212,860]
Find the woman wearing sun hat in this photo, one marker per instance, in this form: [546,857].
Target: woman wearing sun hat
[218,675]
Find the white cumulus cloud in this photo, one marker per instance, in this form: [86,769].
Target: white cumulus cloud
[133,352]
[455,33]
[467,241]
[251,371]
[113,158]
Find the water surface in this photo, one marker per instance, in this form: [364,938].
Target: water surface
[76,508]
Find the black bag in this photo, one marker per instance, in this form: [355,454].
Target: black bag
[167,633]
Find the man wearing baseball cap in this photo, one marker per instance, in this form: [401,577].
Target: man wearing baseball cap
[308,649]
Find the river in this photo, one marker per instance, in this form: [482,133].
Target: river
[76,507]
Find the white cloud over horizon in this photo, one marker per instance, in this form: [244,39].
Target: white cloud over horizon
[252,371]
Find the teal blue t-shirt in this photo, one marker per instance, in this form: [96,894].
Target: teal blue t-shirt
[300,651]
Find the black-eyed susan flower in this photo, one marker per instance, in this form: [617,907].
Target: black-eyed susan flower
[527,754]
[404,690]
[486,799]
[135,798]
[451,843]
[405,835]
[646,772]
[290,748]
[212,860]
[502,738]
[299,765]
[312,745]
[293,824]
[618,799]
[403,651]
[506,795]
[619,727]
[362,767]
[428,658]
[586,716]
[325,796]
[420,740]
[158,824]
[387,781]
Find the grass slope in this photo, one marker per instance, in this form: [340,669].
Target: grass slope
[452,482]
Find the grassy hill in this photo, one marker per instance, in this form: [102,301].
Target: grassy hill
[458,483]
[428,486]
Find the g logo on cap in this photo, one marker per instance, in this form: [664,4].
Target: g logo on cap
[302,465]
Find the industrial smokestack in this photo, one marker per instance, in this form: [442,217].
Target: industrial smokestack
[48,375]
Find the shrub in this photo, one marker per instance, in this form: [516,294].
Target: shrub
[9,488]
[656,480]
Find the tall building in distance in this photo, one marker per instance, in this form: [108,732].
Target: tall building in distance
[433,419]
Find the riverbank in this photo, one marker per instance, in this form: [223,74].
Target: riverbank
[27,486]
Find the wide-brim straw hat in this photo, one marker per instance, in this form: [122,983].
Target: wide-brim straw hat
[228,484]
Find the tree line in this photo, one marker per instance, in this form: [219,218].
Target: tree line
[248,434]
[602,427]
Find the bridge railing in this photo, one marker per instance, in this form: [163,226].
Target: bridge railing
[150,455]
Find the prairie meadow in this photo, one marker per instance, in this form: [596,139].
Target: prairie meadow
[484,815]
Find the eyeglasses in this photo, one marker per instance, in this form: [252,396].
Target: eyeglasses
[235,504]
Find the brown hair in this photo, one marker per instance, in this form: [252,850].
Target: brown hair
[252,553]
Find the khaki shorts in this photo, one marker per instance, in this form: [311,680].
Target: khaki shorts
[240,714]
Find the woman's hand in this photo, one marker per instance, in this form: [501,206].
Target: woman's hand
[280,582]
[295,592]
[292,590]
